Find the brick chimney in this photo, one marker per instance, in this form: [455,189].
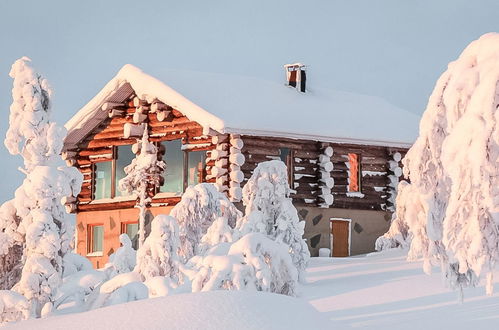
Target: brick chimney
[296,76]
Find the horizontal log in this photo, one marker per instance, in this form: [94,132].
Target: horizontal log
[279,143]
[306,179]
[108,142]
[307,154]
[258,150]
[95,152]
[299,169]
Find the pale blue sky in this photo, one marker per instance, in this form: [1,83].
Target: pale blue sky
[390,48]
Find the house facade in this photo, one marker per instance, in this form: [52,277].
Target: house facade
[343,152]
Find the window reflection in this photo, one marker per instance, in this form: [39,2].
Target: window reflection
[173,174]
[124,156]
[195,168]
[103,180]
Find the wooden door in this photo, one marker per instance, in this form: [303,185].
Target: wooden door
[340,231]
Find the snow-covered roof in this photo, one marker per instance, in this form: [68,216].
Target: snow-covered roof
[252,106]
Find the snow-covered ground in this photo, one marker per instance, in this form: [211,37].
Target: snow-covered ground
[377,291]
[384,291]
[215,310]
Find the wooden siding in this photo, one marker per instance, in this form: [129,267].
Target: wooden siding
[374,167]
[98,146]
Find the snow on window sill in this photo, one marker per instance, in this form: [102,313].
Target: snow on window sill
[95,254]
[355,194]
[166,195]
[112,200]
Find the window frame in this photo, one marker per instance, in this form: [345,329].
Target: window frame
[124,226]
[185,169]
[90,240]
[113,162]
[290,164]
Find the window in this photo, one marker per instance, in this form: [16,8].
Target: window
[95,239]
[124,157]
[196,161]
[354,178]
[174,158]
[103,180]
[132,230]
[107,174]
[286,155]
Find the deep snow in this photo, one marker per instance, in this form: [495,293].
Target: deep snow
[377,291]
[384,291]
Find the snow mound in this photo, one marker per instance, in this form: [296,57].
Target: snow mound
[206,310]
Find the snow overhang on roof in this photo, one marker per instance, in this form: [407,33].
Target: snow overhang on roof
[251,106]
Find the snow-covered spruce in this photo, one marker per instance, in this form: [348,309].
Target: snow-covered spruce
[142,176]
[452,208]
[124,259]
[13,307]
[11,242]
[218,232]
[44,227]
[199,207]
[269,210]
[30,132]
[254,262]
[158,255]
[120,289]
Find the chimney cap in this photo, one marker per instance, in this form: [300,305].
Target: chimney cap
[295,66]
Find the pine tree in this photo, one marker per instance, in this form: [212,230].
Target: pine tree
[40,222]
[143,175]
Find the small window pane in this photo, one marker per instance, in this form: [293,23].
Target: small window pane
[124,158]
[97,238]
[132,230]
[283,154]
[173,174]
[196,165]
[103,180]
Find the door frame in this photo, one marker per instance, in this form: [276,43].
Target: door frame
[349,233]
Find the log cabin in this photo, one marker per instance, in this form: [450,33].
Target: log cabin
[343,151]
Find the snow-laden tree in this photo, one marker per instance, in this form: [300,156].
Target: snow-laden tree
[200,206]
[218,232]
[452,202]
[398,234]
[158,255]
[269,210]
[13,307]
[124,259]
[35,216]
[254,262]
[30,131]
[11,242]
[143,175]
[120,289]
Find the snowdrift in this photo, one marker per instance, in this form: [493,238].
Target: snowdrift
[205,310]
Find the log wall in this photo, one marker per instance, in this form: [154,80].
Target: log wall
[163,125]
[307,168]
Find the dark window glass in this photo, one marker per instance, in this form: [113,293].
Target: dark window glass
[103,180]
[173,174]
[284,155]
[132,230]
[196,165]
[124,157]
